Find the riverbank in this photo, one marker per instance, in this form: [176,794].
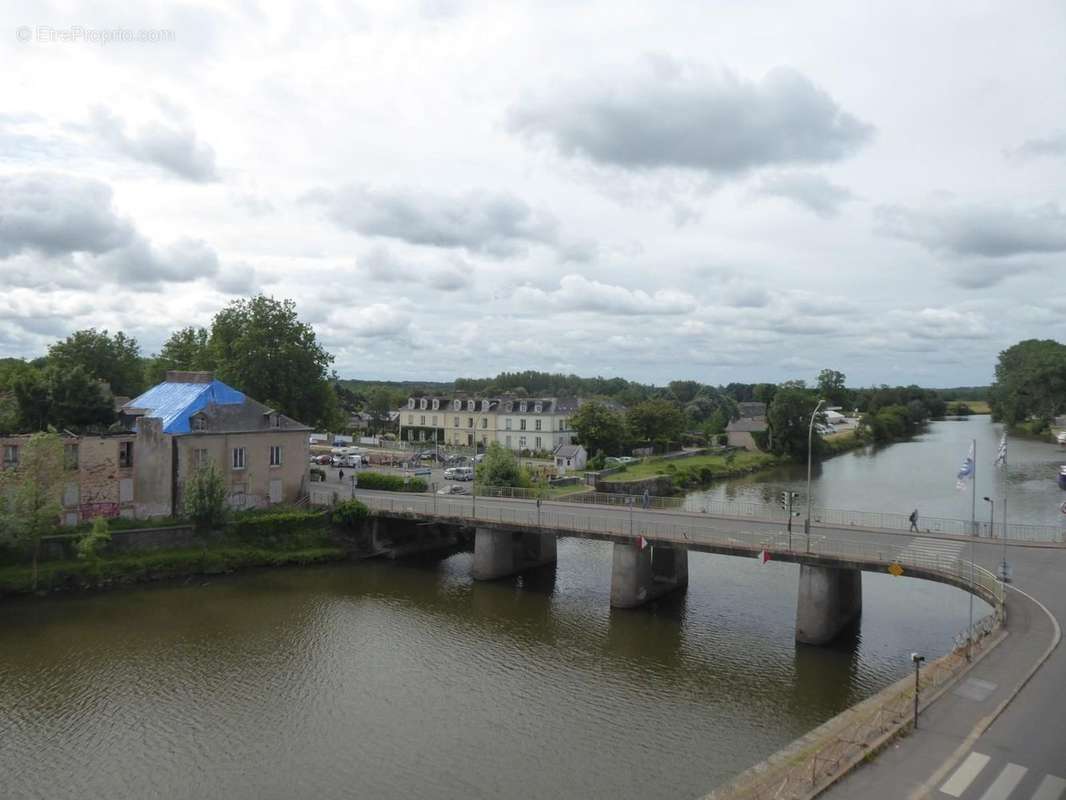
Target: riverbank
[174,550]
[693,471]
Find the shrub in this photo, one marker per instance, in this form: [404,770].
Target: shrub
[205,498]
[283,524]
[349,514]
[89,545]
[390,483]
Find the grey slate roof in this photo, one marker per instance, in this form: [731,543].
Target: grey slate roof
[568,450]
[747,425]
[246,417]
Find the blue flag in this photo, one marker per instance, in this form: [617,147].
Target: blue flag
[966,470]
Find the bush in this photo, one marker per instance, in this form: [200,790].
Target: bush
[89,546]
[317,474]
[205,498]
[252,526]
[390,483]
[349,514]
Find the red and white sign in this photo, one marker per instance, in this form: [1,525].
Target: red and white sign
[641,542]
[764,556]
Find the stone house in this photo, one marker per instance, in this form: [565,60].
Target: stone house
[99,477]
[739,432]
[570,457]
[192,419]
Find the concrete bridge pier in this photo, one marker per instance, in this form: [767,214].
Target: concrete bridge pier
[638,576]
[829,600]
[498,554]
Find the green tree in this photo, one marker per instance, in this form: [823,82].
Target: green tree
[1030,382]
[658,421]
[260,346]
[33,493]
[114,359]
[379,403]
[205,498]
[789,418]
[62,398]
[186,349]
[684,391]
[500,467]
[598,427]
[98,537]
[831,386]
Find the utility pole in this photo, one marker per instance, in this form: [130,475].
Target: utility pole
[810,441]
[917,659]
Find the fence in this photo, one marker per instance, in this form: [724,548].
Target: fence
[821,516]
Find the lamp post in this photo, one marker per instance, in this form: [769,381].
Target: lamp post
[917,659]
[991,518]
[810,441]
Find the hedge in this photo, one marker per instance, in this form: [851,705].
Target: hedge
[253,526]
[349,514]
[390,483]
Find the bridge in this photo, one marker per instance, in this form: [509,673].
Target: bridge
[651,546]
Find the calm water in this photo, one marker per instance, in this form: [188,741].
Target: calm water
[921,473]
[407,680]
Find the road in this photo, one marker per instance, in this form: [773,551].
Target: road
[984,739]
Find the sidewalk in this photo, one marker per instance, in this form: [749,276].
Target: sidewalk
[914,766]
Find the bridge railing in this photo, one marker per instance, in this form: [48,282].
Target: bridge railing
[686,530]
[883,520]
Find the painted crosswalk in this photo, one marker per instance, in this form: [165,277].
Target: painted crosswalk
[1005,779]
[923,549]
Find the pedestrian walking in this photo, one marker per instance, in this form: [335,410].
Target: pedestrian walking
[341,475]
[646,502]
[914,520]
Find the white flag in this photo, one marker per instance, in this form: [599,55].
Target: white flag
[1001,454]
[966,470]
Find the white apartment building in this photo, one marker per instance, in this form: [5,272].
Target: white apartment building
[534,424]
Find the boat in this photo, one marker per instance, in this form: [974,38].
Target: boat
[1062,477]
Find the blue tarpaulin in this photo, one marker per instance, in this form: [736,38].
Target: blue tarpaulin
[174,403]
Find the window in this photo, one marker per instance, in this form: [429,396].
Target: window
[507,423]
[484,422]
[562,424]
[457,405]
[199,423]
[422,420]
[434,418]
[410,419]
[200,458]
[455,420]
[275,455]
[277,420]
[436,405]
[507,440]
[470,422]
[521,424]
[522,406]
[11,455]
[536,424]
[537,443]
[522,442]
[484,405]
[125,454]
[538,408]
[238,458]
[422,404]
[70,456]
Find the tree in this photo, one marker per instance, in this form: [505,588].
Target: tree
[1030,382]
[684,391]
[657,421]
[34,491]
[89,545]
[832,387]
[62,398]
[114,359]
[260,346]
[598,427]
[379,403]
[789,418]
[500,467]
[205,498]
[186,349]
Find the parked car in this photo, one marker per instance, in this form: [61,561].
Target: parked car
[454,489]
[459,474]
[422,471]
[324,459]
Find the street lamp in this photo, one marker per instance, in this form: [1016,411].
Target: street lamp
[917,659]
[991,518]
[810,442]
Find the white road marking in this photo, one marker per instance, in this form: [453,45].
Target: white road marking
[1004,784]
[964,775]
[1051,788]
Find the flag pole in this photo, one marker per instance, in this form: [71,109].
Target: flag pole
[973,537]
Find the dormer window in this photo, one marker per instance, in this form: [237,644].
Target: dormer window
[436,404]
[469,405]
[537,408]
[199,423]
[484,405]
[522,406]
[457,405]
[423,404]
[410,402]
[275,420]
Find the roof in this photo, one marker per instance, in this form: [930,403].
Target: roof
[175,402]
[224,408]
[568,450]
[747,425]
[751,409]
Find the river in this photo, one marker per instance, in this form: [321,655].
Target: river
[408,680]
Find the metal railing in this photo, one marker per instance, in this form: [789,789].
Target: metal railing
[875,520]
[690,530]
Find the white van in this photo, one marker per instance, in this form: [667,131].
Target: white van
[459,474]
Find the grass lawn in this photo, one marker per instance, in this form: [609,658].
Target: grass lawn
[976,406]
[742,461]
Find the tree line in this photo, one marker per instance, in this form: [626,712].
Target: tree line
[1030,387]
[258,345]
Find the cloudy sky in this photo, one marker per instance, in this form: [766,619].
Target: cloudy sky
[732,190]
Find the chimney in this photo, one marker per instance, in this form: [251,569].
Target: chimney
[183,376]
